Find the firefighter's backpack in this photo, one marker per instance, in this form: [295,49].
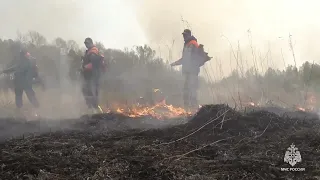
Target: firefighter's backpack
[203,55]
[103,64]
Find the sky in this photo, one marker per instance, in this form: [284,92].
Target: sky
[109,21]
[215,23]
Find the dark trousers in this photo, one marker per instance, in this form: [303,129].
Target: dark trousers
[90,90]
[30,94]
[190,90]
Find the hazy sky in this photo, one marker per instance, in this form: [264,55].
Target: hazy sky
[109,21]
[124,23]
[267,21]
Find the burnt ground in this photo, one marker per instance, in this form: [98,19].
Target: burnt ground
[217,143]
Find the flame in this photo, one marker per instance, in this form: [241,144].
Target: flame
[250,104]
[310,103]
[160,111]
[301,109]
[159,108]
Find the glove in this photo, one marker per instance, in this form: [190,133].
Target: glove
[88,66]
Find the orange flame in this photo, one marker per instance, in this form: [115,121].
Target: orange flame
[160,111]
[310,103]
[250,104]
[301,109]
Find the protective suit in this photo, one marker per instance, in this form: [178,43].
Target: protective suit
[92,68]
[191,62]
[24,72]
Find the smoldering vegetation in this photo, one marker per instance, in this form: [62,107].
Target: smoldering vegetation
[216,143]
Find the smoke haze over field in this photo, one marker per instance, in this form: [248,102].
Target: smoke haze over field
[120,23]
[209,19]
[222,26]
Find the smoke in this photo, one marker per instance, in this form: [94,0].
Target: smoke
[216,22]
[74,20]
[221,25]
[63,98]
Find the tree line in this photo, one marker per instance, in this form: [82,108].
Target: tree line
[137,71]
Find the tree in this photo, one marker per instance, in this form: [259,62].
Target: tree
[36,38]
[59,42]
[71,44]
[145,53]
[271,74]
[305,71]
[21,37]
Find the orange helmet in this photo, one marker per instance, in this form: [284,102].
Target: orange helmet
[27,54]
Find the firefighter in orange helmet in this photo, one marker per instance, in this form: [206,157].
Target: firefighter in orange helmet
[93,66]
[191,64]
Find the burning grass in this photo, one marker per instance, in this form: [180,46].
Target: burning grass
[160,110]
[217,143]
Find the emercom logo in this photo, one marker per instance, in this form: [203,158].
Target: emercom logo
[292,157]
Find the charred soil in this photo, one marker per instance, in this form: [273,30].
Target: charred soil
[216,143]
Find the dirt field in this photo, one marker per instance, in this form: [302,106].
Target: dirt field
[217,143]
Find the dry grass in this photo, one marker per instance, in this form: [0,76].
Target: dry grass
[248,146]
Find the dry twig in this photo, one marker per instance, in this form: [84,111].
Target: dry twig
[209,122]
[264,130]
[211,144]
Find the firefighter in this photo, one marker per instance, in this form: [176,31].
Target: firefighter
[191,63]
[24,73]
[92,68]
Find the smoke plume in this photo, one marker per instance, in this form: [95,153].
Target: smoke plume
[217,22]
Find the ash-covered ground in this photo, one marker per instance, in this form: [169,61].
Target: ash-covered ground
[216,143]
